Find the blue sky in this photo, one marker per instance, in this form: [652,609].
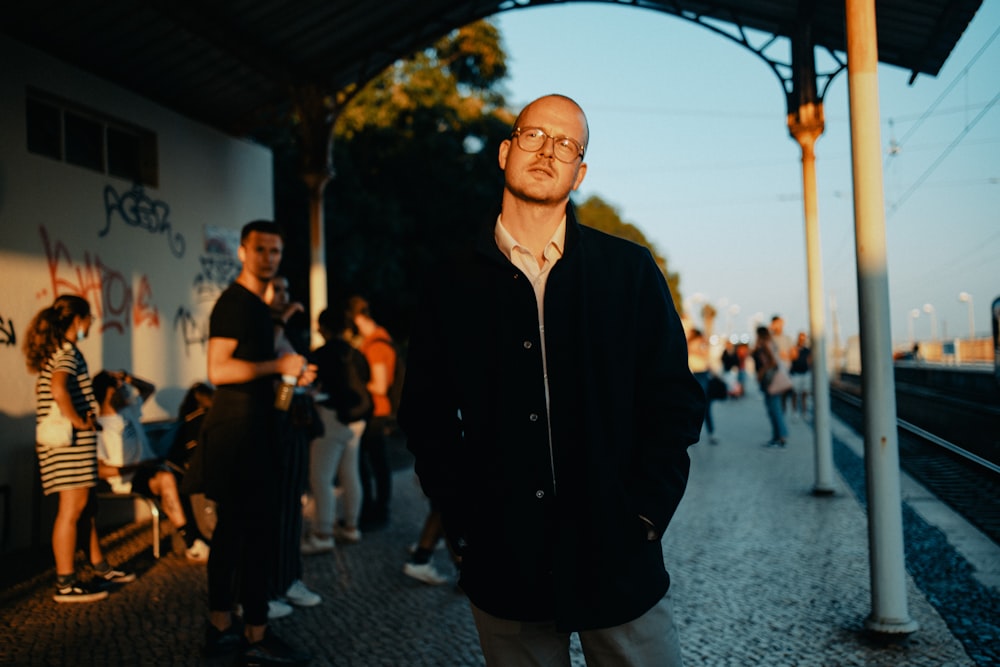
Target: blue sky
[689,143]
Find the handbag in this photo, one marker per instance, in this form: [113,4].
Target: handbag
[717,389]
[780,382]
[55,430]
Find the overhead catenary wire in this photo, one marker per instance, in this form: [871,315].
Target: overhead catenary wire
[959,77]
[947,151]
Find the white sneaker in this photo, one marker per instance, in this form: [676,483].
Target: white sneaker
[425,573]
[277,609]
[198,552]
[299,595]
[313,544]
[345,534]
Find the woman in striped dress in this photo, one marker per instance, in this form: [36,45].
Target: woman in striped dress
[69,470]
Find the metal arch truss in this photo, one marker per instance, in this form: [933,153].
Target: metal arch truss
[728,23]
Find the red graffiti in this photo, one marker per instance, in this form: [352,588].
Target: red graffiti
[113,299]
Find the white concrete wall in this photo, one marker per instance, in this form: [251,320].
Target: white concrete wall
[152,287]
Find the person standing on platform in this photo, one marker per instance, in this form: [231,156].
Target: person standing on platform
[296,426]
[376,475]
[67,450]
[784,346]
[800,371]
[698,362]
[766,363]
[238,441]
[549,407]
[343,376]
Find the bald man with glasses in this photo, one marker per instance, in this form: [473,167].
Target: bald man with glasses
[549,407]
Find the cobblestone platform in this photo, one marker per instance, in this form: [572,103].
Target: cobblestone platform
[764,573]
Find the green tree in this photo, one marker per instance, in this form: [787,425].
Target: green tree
[415,154]
[599,214]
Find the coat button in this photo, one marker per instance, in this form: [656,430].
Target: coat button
[533,417]
[527,344]
[539,494]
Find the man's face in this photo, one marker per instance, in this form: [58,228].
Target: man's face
[537,176]
[777,326]
[278,293]
[261,255]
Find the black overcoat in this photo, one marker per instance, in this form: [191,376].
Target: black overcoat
[541,495]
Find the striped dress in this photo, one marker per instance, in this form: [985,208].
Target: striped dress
[74,466]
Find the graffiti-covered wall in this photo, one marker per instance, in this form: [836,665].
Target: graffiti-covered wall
[149,253]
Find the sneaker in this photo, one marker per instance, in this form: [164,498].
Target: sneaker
[413,546]
[77,592]
[198,552]
[221,642]
[271,650]
[313,544]
[301,596]
[425,573]
[113,576]
[278,609]
[342,533]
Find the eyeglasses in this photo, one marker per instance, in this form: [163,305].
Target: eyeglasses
[531,139]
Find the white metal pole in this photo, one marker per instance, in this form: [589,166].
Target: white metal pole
[317,260]
[890,613]
[823,484]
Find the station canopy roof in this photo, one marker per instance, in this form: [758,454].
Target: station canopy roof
[224,61]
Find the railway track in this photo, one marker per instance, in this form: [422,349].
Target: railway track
[962,479]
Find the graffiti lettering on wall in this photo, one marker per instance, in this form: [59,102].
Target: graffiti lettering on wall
[218,270]
[107,289]
[193,332]
[8,336]
[135,208]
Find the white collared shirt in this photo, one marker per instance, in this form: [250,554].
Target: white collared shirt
[524,259]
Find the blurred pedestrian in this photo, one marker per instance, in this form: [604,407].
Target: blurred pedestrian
[731,367]
[698,362]
[127,462]
[297,427]
[765,358]
[343,376]
[238,442]
[376,475]
[66,442]
[801,372]
[419,566]
[784,346]
[181,457]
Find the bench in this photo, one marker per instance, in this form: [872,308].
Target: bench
[151,505]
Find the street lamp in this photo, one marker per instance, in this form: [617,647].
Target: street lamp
[967,298]
[929,309]
[914,314]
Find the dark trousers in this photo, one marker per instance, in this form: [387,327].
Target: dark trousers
[292,475]
[376,475]
[241,562]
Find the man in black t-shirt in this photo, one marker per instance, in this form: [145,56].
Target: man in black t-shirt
[238,440]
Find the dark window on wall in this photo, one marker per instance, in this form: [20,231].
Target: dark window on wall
[124,150]
[65,131]
[44,129]
[84,141]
